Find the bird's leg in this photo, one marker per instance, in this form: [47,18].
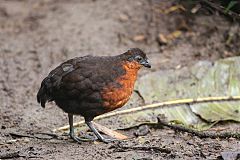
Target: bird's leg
[95,131]
[71,133]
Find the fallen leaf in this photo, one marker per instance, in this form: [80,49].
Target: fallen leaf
[174,8]
[174,35]
[139,38]
[110,132]
[162,39]
[123,17]
[196,8]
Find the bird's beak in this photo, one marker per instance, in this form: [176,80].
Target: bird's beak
[146,63]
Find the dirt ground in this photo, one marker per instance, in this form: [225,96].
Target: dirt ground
[35,36]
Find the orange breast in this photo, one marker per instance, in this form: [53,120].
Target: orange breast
[115,97]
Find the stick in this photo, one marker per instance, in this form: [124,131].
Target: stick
[199,133]
[51,136]
[110,132]
[122,148]
[155,105]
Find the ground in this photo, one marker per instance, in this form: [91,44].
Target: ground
[35,36]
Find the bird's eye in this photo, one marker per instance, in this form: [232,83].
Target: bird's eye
[138,58]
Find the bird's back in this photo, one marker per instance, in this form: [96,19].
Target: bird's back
[86,85]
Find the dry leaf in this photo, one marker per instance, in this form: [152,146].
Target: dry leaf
[174,35]
[174,8]
[183,26]
[110,132]
[196,8]
[123,17]
[139,38]
[162,39]
[168,38]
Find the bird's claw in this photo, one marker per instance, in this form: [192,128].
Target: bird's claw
[80,140]
[90,137]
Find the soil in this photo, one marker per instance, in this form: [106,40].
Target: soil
[35,36]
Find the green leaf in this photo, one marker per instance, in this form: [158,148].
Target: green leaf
[216,111]
[202,80]
[231,5]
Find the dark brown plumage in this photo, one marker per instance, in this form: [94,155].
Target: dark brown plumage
[90,86]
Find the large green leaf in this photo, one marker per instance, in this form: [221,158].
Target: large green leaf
[202,80]
[218,111]
[205,79]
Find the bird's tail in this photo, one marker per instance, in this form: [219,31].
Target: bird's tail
[43,94]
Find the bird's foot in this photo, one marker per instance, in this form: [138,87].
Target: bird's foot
[80,140]
[90,137]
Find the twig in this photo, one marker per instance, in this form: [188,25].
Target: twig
[34,136]
[199,133]
[110,132]
[122,148]
[156,105]
[221,9]
[48,134]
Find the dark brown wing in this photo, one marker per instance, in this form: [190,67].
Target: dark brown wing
[51,84]
[78,79]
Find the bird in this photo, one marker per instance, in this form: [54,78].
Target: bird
[92,85]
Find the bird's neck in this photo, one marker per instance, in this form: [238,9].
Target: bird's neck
[132,66]
[131,70]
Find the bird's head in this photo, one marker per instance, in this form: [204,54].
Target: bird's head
[136,57]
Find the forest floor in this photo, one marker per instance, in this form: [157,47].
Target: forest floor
[35,36]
